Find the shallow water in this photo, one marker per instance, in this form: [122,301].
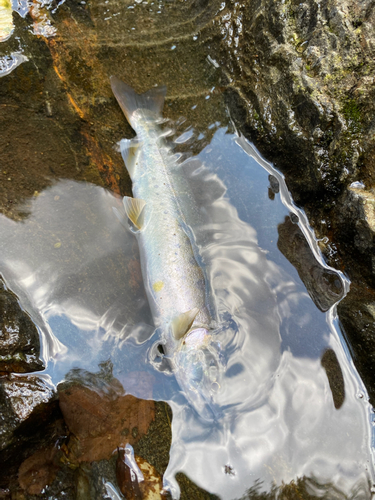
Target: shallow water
[291,402]
[76,271]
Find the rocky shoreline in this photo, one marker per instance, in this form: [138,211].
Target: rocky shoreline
[300,85]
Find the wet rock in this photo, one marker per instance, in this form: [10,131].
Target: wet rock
[127,478]
[24,401]
[356,228]
[357,321]
[38,470]
[30,419]
[324,285]
[154,446]
[19,338]
[191,490]
[300,85]
[335,377]
[152,486]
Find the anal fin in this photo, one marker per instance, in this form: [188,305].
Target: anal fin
[134,209]
[181,324]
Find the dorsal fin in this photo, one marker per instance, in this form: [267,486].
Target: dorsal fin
[134,209]
[182,323]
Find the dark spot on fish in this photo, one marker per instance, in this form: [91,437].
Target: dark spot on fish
[161,349]
[125,432]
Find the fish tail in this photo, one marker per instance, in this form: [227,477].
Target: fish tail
[151,102]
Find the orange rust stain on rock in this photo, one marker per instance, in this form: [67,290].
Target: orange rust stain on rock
[73,52]
[102,161]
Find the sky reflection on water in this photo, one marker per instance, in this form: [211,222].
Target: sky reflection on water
[77,273]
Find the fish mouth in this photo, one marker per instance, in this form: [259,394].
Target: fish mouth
[198,370]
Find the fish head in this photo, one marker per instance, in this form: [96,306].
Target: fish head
[197,368]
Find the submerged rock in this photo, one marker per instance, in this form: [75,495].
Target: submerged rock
[324,285]
[38,470]
[335,377]
[99,416]
[101,423]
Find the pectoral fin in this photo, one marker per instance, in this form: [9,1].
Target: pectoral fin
[182,323]
[134,209]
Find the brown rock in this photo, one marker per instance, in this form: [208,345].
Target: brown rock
[37,471]
[101,422]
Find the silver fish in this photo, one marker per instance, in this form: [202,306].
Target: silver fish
[173,279]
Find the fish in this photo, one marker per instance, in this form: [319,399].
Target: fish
[174,280]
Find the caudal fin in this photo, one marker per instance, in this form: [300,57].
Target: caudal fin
[151,102]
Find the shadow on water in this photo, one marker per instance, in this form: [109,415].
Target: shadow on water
[294,421]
